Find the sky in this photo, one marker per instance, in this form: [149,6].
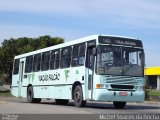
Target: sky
[72,19]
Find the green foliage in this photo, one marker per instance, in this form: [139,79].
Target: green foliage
[154,93]
[12,47]
[5,94]
[151,94]
[146,94]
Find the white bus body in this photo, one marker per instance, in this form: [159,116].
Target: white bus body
[82,70]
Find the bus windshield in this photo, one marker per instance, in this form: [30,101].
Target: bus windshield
[118,60]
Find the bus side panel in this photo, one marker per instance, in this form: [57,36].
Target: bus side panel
[40,84]
[15,85]
[65,92]
[14,91]
[63,86]
[54,83]
[51,91]
[36,92]
[24,93]
[68,77]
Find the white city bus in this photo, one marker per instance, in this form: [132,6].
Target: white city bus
[94,68]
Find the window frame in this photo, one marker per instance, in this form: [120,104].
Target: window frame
[16,66]
[52,60]
[79,48]
[37,62]
[29,64]
[45,59]
[65,57]
[57,61]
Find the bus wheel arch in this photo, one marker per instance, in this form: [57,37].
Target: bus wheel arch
[77,95]
[30,95]
[74,86]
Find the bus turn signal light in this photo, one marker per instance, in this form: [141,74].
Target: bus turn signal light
[98,85]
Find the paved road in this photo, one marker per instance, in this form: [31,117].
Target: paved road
[19,109]
[20,106]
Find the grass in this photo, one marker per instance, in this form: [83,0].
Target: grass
[154,93]
[6,94]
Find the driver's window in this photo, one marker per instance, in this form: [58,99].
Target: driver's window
[125,57]
[105,56]
[117,56]
[133,57]
[108,56]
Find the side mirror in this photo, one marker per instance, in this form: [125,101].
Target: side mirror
[94,51]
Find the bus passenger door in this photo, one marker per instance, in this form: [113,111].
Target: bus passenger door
[21,69]
[90,59]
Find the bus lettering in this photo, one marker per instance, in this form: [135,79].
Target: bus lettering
[50,77]
[43,78]
[53,77]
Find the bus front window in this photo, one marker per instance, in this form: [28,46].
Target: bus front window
[132,61]
[119,61]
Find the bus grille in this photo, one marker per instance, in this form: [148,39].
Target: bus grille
[122,87]
[122,82]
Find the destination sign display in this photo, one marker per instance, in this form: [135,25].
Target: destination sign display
[119,41]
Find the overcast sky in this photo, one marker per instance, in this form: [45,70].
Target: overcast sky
[73,19]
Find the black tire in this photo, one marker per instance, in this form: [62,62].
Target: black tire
[119,105]
[78,97]
[61,101]
[30,96]
[37,100]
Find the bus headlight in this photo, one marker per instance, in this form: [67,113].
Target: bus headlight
[136,87]
[106,85]
[141,88]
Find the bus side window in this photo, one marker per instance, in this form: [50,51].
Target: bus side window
[37,62]
[78,55]
[29,63]
[52,59]
[82,49]
[16,67]
[75,55]
[57,59]
[45,61]
[66,57]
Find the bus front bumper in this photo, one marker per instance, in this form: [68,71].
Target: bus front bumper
[128,96]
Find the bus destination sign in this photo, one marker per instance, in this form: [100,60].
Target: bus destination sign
[119,41]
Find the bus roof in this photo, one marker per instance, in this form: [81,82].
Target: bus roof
[72,42]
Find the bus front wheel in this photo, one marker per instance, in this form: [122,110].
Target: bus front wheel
[78,97]
[119,105]
[30,96]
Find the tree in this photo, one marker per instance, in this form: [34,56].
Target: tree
[12,47]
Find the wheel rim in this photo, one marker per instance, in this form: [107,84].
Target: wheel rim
[77,96]
[29,95]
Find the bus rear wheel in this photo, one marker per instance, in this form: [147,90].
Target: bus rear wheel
[30,96]
[119,105]
[78,97]
[61,101]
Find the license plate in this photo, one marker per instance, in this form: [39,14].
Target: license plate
[123,93]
